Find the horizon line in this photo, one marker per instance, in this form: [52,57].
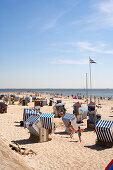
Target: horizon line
[52,88]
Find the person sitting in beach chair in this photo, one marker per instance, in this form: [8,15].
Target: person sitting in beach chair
[22,151]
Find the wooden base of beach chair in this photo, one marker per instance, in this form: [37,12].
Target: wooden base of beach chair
[43,135]
[34,137]
[90,125]
[104,144]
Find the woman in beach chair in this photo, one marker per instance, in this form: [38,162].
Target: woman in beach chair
[22,151]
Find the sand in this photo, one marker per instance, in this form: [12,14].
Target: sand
[60,152]
[10,160]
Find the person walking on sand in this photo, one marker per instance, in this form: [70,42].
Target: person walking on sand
[79,133]
[70,130]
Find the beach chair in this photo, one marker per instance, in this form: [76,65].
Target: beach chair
[47,121]
[82,114]
[69,118]
[110,166]
[39,127]
[104,131]
[59,110]
[44,102]
[76,107]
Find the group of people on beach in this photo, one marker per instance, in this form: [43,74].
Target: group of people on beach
[71,131]
[23,151]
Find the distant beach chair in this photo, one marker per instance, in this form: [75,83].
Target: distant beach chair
[59,109]
[68,117]
[99,106]
[82,114]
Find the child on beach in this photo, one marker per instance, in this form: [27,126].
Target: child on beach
[79,133]
[70,130]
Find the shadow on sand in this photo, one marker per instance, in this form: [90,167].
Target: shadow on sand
[17,126]
[16,122]
[28,141]
[96,147]
[74,141]
[61,133]
[25,141]
[88,130]
[65,137]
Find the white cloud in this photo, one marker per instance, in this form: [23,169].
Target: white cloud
[106,7]
[102,17]
[54,21]
[69,61]
[82,46]
[92,48]
[86,46]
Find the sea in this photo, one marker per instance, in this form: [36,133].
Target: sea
[107,93]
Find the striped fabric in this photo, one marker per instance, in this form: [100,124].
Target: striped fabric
[28,113]
[48,115]
[67,118]
[83,111]
[104,130]
[44,102]
[31,124]
[30,121]
[47,120]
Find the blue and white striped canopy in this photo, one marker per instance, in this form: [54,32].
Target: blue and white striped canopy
[47,120]
[31,120]
[83,108]
[47,115]
[27,97]
[104,130]
[60,104]
[68,116]
[28,113]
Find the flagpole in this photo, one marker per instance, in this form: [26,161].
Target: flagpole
[86,90]
[90,81]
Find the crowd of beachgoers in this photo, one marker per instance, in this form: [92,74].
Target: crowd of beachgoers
[60,151]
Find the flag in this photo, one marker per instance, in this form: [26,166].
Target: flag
[91,61]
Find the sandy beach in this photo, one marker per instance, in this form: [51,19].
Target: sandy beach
[61,152]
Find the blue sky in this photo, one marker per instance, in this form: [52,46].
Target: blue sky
[47,43]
